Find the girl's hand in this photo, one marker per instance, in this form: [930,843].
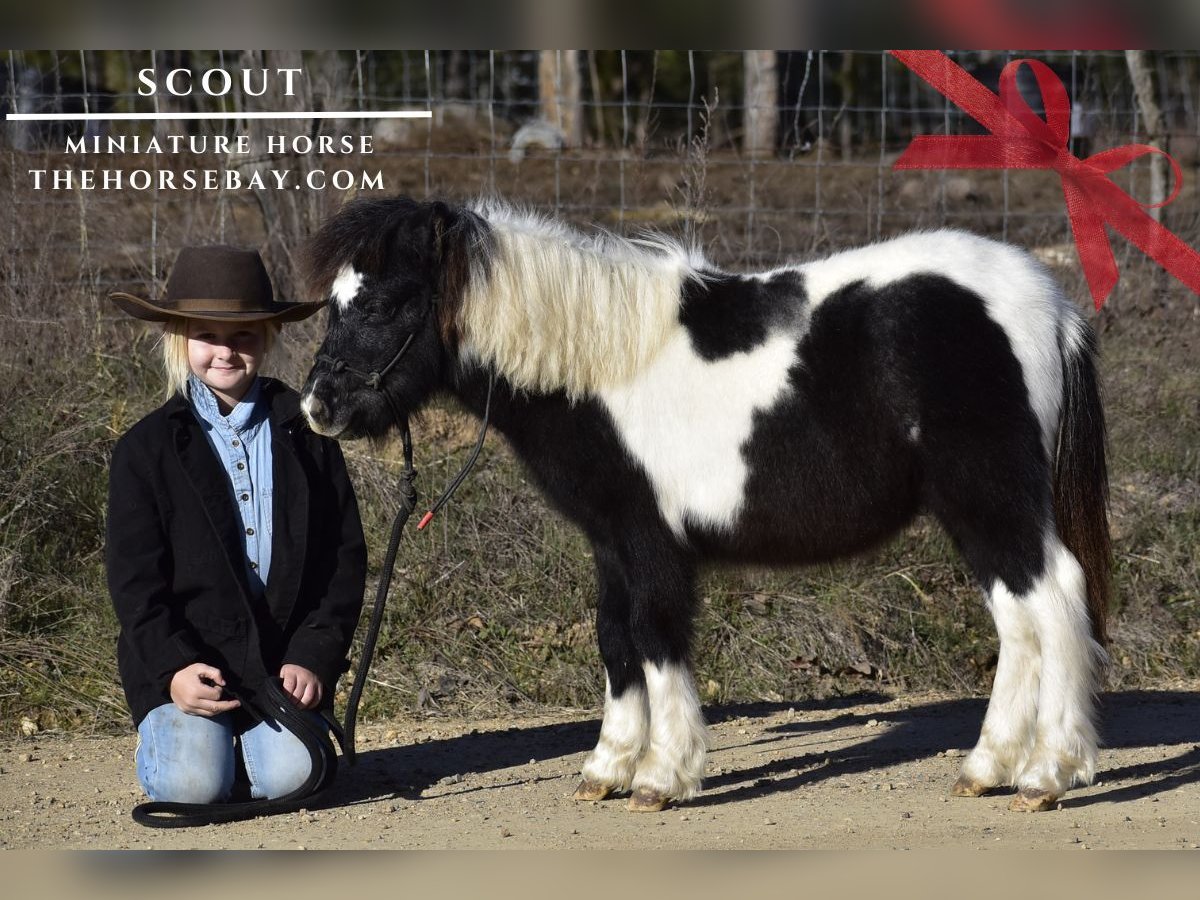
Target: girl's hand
[304,687]
[197,691]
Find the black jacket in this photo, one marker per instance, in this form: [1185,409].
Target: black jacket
[175,560]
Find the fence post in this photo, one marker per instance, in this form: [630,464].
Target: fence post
[1156,136]
[559,91]
[288,216]
[761,103]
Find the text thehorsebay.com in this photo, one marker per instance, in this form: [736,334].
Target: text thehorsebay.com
[246,164]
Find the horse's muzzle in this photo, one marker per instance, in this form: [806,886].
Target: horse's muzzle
[317,414]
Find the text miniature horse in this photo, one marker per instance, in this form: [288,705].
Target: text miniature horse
[680,414]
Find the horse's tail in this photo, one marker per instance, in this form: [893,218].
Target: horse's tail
[1081,472]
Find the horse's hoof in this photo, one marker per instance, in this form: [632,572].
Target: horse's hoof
[968,787]
[591,790]
[1032,800]
[646,800]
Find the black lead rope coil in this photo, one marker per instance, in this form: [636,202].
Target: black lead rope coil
[278,705]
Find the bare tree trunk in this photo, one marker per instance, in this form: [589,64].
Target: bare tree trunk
[761,102]
[597,105]
[559,87]
[165,101]
[1152,118]
[847,82]
[289,216]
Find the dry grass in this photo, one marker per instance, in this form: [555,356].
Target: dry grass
[493,606]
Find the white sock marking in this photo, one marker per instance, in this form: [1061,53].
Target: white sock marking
[1064,750]
[673,765]
[624,735]
[1008,728]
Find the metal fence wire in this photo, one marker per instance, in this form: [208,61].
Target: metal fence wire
[758,156]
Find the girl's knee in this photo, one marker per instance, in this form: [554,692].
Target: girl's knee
[284,777]
[190,784]
[277,761]
[185,759]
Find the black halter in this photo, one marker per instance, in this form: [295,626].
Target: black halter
[374,380]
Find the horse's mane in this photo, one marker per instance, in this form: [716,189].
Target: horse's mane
[551,307]
[563,310]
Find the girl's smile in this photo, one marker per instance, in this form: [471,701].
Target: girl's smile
[226,356]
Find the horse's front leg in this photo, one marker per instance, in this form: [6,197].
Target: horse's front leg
[625,732]
[673,765]
[662,605]
[653,738]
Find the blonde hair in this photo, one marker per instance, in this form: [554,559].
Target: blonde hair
[174,348]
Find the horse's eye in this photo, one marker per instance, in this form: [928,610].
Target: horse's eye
[381,312]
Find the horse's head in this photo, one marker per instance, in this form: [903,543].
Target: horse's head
[386,267]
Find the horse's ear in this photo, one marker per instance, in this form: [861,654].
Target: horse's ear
[419,234]
[440,218]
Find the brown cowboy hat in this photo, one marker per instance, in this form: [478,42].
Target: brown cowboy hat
[216,282]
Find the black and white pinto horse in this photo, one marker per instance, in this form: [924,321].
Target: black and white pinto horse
[681,415]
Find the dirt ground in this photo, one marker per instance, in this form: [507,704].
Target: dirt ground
[871,771]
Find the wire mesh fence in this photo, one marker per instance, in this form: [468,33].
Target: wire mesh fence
[757,156]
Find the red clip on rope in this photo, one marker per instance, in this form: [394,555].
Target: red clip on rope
[1020,139]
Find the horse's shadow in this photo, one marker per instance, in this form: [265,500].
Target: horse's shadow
[1128,719]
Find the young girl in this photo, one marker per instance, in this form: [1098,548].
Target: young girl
[235,550]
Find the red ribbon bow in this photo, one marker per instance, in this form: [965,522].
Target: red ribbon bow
[1020,139]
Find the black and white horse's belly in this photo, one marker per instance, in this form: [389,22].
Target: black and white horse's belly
[751,459]
[817,490]
[821,438]
[684,420]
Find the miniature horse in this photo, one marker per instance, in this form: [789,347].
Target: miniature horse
[680,414]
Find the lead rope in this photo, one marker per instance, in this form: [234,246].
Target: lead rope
[277,705]
[408,502]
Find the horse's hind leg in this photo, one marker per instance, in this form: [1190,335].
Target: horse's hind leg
[1038,732]
[625,732]
[1008,728]
[1064,748]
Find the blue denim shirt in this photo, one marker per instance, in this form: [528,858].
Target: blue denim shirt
[242,442]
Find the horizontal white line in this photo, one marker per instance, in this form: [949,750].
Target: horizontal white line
[171,116]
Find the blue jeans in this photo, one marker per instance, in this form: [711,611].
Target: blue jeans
[183,758]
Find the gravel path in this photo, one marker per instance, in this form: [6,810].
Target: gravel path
[870,771]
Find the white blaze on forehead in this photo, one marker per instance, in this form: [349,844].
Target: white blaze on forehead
[345,286]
